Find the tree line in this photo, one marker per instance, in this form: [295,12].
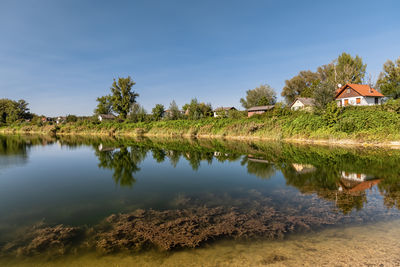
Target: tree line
[320,85]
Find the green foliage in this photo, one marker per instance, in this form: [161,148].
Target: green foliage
[12,111]
[71,118]
[158,112]
[259,96]
[123,97]
[344,69]
[173,113]
[104,106]
[389,80]
[196,110]
[324,93]
[332,113]
[138,113]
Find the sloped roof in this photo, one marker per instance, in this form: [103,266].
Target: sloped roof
[224,108]
[306,101]
[362,89]
[261,108]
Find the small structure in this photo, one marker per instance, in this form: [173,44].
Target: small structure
[357,95]
[103,117]
[222,110]
[60,120]
[304,103]
[259,110]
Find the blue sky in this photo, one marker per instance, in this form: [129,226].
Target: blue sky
[61,55]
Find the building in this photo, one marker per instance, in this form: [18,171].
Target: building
[102,117]
[357,95]
[222,110]
[258,110]
[304,103]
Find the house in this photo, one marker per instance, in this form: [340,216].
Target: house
[304,103]
[222,110]
[60,120]
[357,95]
[102,117]
[258,110]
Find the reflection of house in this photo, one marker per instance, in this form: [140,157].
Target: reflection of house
[259,110]
[304,103]
[104,148]
[103,117]
[253,159]
[356,182]
[222,111]
[218,154]
[303,168]
[60,120]
[358,95]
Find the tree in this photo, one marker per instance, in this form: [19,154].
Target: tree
[138,113]
[174,112]
[123,97]
[389,79]
[342,70]
[158,111]
[324,93]
[104,106]
[259,96]
[196,110]
[298,84]
[11,111]
[71,118]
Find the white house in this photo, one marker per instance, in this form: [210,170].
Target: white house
[357,95]
[102,117]
[302,103]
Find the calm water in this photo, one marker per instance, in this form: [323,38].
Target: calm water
[92,201]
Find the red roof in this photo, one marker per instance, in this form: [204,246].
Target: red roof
[362,89]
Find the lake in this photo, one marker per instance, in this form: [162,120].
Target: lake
[182,202]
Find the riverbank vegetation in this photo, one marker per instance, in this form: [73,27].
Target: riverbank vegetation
[326,121]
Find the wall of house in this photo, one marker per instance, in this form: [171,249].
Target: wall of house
[297,105]
[365,101]
[251,113]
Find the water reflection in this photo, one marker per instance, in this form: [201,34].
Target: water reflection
[341,176]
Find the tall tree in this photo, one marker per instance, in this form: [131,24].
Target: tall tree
[389,79]
[158,112]
[104,105]
[298,85]
[174,112]
[324,93]
[122,96]
[259,96]
[342,70]
[196,110]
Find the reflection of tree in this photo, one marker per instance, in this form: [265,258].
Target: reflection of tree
[195,157]
[259,167]
[158,154]
[390,189]
[124,162]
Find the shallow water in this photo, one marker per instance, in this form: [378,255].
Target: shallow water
[93,201]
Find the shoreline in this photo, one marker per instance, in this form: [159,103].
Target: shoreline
[300,141]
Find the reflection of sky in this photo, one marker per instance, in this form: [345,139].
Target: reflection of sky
[12,160]
[66,186]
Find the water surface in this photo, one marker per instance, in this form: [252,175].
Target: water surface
[164,201]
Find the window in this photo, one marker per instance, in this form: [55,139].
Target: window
[376,101]
[346,102]
[348,91]
[358,100]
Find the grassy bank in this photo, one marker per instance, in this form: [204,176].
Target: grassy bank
[374,125]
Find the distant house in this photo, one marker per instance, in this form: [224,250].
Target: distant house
[220,110]
[60,120]
[304,103]
[259,110]
[357,95]
[103,117]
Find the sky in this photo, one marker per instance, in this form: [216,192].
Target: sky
[61,55]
